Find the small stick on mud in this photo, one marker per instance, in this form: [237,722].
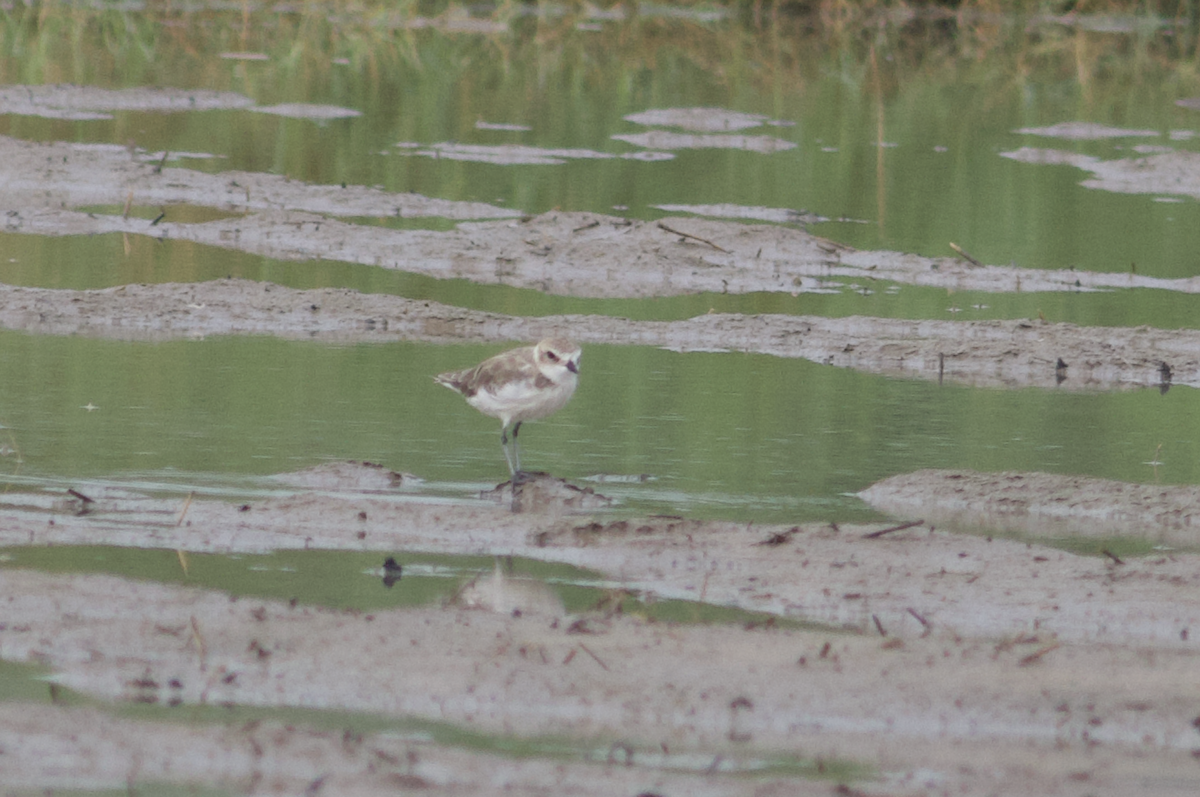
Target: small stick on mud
[128,205]
[830,246]
[964,255]
[779,538]
[662,226]
[920,619]
[878,625]
[199,640]
[599,661]
[1116,559]
[158,169]
[1036,656]
[80,496]
[183,512]
[877,534]
[587,226]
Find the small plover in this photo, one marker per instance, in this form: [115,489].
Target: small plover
[519,385]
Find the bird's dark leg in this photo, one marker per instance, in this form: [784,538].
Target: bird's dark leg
[504,447]
[517,448]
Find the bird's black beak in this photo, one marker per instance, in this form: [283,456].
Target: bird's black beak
[572,367]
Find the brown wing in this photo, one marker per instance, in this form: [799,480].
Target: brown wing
[489,375]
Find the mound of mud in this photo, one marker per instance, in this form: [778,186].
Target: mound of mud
[1043,504]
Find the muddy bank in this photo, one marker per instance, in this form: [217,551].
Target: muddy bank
[49,748]
[45,184]
[1043,504]
[1161,171]
[908,581]
[951,663]
[86,103]
[48,187]
[981,353]
[1053,718]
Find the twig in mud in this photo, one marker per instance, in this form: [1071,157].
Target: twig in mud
[780,537]
[587,226]
[80,496]
[162,215]
[199,640]
[1116,559]
[187,503]
[158,169]
[920,619]
[128,205]
[878,625]
[599,661]
[1036,656]
[830,246]
[877,534]
[662,226]
[964,255]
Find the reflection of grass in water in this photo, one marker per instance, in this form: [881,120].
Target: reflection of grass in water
[620,602]
[73,43]
[1110,547]
[23,682]
[343,580]
[9,448]
[335,579]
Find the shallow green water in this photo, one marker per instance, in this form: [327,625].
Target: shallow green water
[721,435]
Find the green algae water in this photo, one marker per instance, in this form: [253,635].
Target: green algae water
[896,141]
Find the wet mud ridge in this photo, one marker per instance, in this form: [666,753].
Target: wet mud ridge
[981,353]
[1087,662]
[53,188]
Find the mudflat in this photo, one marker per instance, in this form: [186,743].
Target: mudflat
[928,661]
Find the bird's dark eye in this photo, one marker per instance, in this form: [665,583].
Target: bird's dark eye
[553,357]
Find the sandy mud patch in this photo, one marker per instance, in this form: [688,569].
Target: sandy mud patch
[1044,504]
[43,182]
[1161,171]
[982,353]
[580,254]
[946,662]
[908,580]
[80,103]
[50,748]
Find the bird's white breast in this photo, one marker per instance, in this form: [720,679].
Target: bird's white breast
[528,398]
